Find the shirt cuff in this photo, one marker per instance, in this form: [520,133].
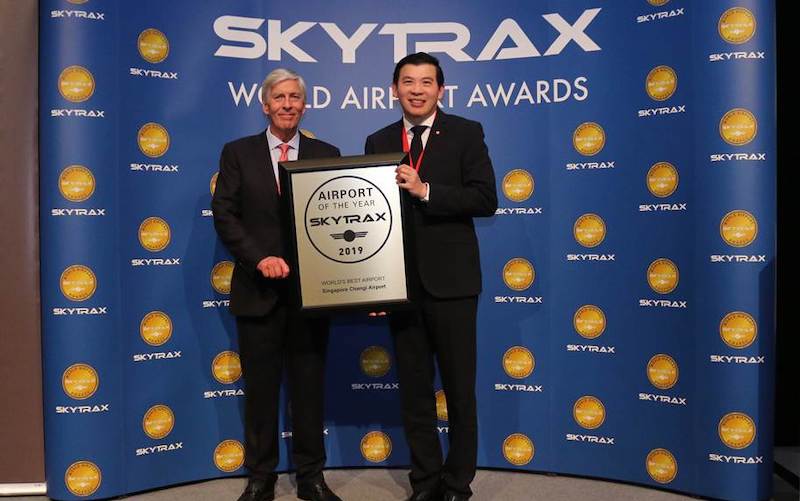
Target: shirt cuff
[427,196]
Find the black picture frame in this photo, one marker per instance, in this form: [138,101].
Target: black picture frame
[287,170]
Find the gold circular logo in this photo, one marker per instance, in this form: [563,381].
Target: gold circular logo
[229,455]
[155,328]
[375,361]
[737,25]
[154,234]
[76,183]
[77,2]
[661,83]
[662,275]
[518,362]
[227,367]
[153,45]
[737,430]
[308,133]
[76,84]
[589,412]
[661,466]
[221,276]
[518,274]
[738,127]
[518,449]
[738,228]
[441,405]
[376,446]
[662,179]
[158,421]
[589,230]
[80,381]
[738,329]
[662,371]
[518,185]
[589,138]
[657,3]
[83,478]
[153,139]
[78,282]
[213,183]
[589,321]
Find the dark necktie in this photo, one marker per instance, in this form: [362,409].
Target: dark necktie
[416,144]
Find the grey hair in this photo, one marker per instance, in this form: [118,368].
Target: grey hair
[277,76]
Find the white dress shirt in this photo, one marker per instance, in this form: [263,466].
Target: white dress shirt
[275,151]
[428,122]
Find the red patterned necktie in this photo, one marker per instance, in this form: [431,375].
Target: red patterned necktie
[284,157]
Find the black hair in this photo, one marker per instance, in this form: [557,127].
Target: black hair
[417,59]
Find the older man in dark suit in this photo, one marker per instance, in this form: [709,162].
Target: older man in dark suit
[248,220]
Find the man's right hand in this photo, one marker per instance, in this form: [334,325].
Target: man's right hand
[273,267]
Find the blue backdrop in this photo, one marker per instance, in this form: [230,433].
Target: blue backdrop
[626,327]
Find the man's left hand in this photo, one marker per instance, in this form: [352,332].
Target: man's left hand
[408,179]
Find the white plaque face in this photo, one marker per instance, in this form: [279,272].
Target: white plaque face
[349,236]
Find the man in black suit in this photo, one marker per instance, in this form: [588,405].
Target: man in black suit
[449,179]
[248,220]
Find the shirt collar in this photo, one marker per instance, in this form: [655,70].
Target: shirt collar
[274,142]
[427,122]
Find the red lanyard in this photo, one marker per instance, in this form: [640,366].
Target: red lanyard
[406,149]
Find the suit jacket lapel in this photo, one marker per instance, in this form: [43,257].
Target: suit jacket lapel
[395,139]
[434,137]
[304,147]
[263,162]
